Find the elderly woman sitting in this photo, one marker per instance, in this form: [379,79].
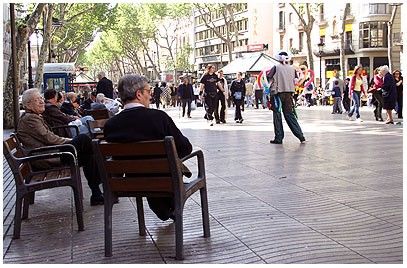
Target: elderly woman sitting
[34,133]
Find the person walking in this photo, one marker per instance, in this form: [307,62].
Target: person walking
[389,93]
[337,95]
[399,87]
[249,93]
[258,95]
[355,90]
[376,90]
[209,87]
[222,95]
[345,99]
[186,93]
[238,92]
[157,95]
[283,76]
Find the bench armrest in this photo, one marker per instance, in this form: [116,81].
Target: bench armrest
[200,159]
[52,148]
[76,128]
[47,156]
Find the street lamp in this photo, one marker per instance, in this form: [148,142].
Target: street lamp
[320,50]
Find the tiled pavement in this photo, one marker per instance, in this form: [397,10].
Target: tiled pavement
[335,199]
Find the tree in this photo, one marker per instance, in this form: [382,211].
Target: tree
[307,10]
[81,24]
[25,28]
[342,36]
[45,45]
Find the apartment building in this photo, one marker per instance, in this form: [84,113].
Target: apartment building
[366,41]
[254,21]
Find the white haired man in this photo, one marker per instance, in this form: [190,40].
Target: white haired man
[137,122]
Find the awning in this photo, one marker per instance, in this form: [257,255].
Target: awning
[82,78]
[249,62]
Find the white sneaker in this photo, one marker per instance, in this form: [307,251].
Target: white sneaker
[359,120]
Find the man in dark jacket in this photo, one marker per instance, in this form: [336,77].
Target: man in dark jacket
[104,85]
[54,117]
[238,93]
[186,93]
[139,123]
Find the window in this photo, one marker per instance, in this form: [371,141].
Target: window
[300,41]
[291,43]
[348,39]
[281,24]
[290,18]
[373,34]
[378,9]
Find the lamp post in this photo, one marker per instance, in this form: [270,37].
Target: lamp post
[30,69]
[320,50]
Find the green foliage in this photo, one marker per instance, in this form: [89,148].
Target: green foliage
[182,58]
[80,24]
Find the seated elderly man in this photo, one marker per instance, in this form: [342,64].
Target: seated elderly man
[99,102]
[137,123]
[70,105]
[53,116]
[34,133]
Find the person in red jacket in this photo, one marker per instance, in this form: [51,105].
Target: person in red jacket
[355,90]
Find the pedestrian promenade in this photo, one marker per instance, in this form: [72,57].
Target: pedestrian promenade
[338,198]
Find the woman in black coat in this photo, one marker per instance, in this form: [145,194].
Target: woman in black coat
[399,86]
[389,93]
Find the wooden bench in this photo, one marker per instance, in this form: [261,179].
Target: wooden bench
[149,169]
[29,180]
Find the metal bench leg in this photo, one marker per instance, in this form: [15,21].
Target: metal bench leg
[26,205]
[140,216]
[205,213]
[78,208]
[17,217]
[108,224]
[179,235]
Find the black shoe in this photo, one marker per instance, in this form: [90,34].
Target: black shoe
[223,121]
[217,122]
[302,140]
[241,121]
[206,117]
[96,200]
[276,142]
[377,119]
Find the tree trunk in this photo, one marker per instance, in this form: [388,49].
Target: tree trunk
[390,37]
[309,48]
[342,50]
[44,47]
[22,36]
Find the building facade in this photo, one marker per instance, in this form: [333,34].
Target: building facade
[253,20]
[366,36]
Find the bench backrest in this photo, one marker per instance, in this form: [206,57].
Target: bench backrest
[147,166]
[12,150]
[99,113]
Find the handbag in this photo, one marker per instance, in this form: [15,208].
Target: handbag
[237,95]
